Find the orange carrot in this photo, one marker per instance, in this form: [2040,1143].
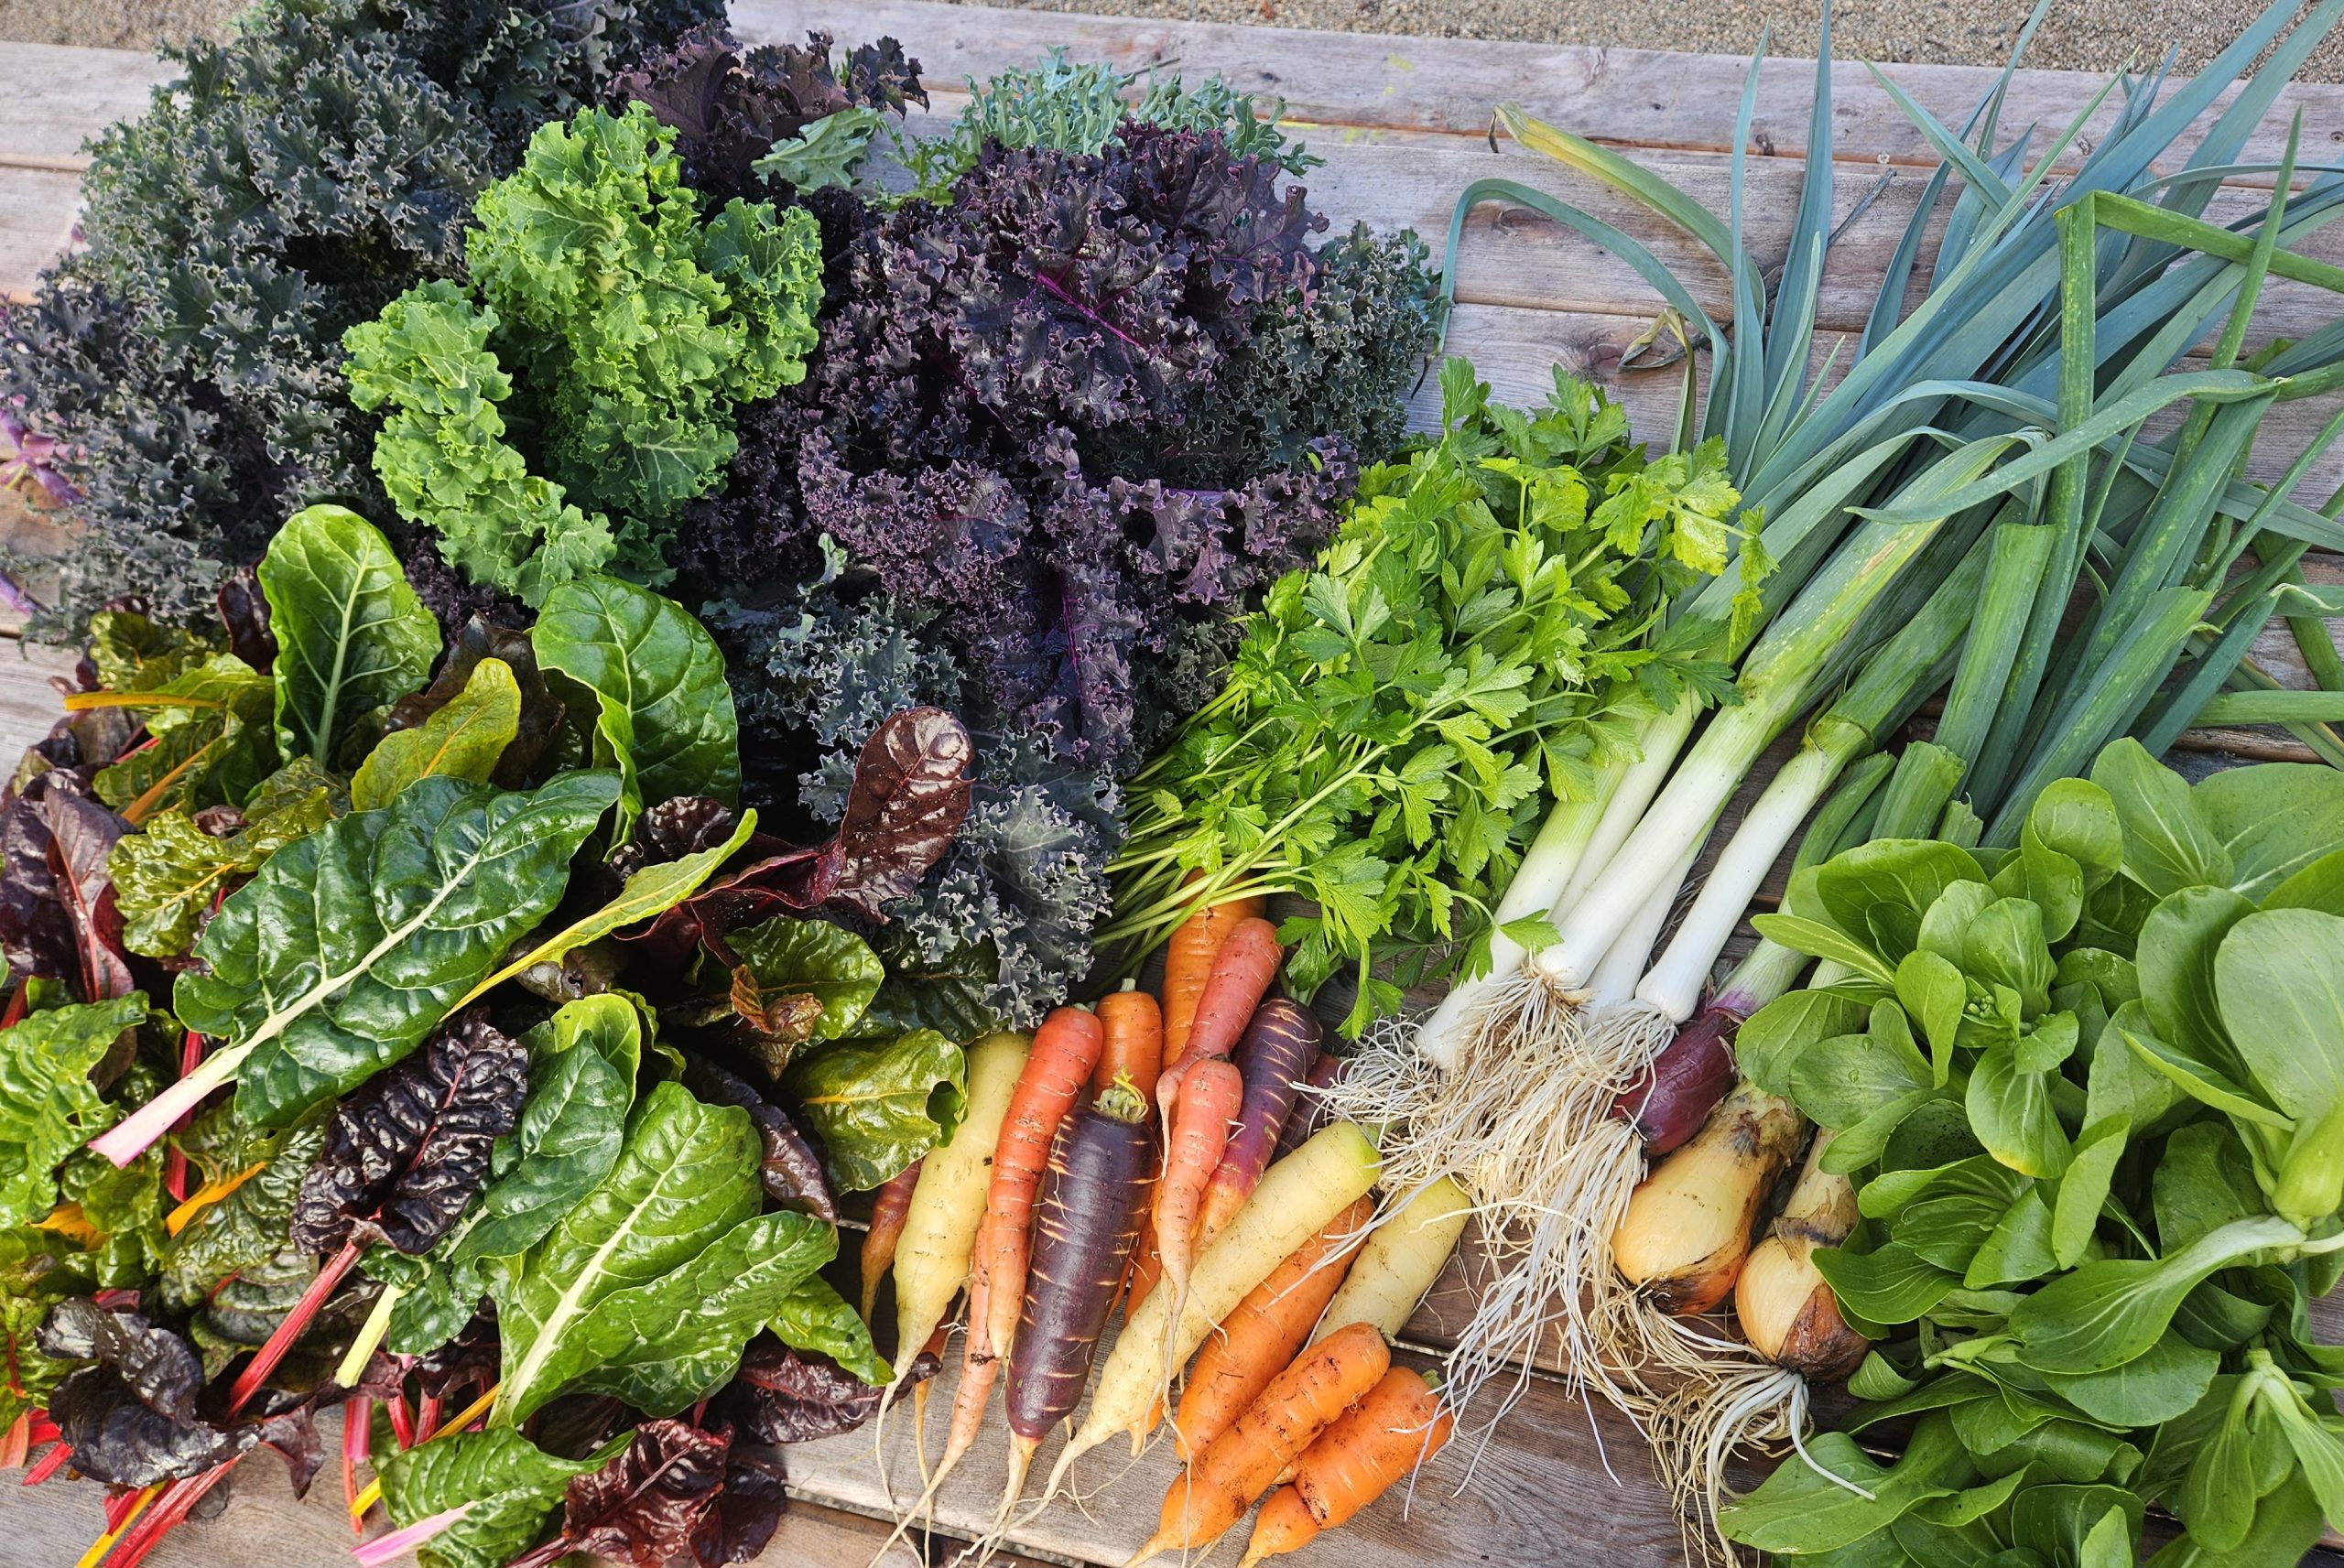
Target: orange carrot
[1365,1450]
[1200,1132]
[1215,1491]
[1065,1049]
[889,1204]
[1134,1043]
[1188,964]
[1262,1335]
[1241,973]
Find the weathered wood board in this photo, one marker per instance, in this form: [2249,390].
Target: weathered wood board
[1403,125]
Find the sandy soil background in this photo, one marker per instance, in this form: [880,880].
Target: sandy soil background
[2084,35]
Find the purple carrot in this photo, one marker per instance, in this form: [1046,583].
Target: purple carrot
[1093,1194]
[1310,1102]
[1273,1057]
[1693,1071]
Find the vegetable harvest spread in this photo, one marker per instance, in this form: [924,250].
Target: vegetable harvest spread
[666,647]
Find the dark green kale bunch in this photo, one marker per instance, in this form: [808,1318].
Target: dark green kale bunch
[1007,914]
[297,176]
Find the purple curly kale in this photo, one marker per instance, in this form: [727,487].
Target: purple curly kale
[1009,392]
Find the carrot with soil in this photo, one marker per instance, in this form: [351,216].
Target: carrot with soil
[889,1204]
[1189,957]
[1055,1074]
[1298,1196]
[1265,1333]
[1083,1233]
[1241,1464]
[947,1204]
[1241,973]
[1397,1425]
[1202,1117]
[1133,1043]
[1272,1056]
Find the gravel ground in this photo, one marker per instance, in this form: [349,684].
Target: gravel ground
[2083,35]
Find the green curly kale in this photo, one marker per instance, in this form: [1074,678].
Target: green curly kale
[303,172]
[634,328]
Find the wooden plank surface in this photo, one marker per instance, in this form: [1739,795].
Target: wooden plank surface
[1401,125]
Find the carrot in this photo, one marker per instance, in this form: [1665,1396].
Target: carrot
[1241,972]
[1266,1331]
[949,1201]
[1200,1133]
[1134,1043]
[1212,1493]
[1272,1055]
[1300,1193]
[1188,964]
[888,1207]
[1083,1231]
[1396,1426]
[1310,1110]
[1066,1048]
[1402,1260]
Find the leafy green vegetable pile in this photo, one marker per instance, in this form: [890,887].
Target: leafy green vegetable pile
[2092,1094]
[546,1064]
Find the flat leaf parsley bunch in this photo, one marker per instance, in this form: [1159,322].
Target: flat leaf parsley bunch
[1490,624]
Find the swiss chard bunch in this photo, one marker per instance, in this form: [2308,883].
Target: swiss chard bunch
[1486,626]
[633,324]
[2091,1093]
[184,364]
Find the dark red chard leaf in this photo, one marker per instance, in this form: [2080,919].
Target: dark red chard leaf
[131,1419]
[57,917]
[541,710]
[649,1504]
[244,611]
[684,824]
[785,1395]
[910,791]
[748,1510]
[909,795]
[791,1172]
[409,1149]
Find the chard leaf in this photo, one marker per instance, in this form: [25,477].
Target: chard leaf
[513,1487]
[49,1107]
[351,636]
[816,1317]
[351,944]
[648,892]
[686,1176]
[654,680]
[582,1062]
[247,1228]
[165,877]
[2105,1314]
[665,1344]
[209,739]
[405,1154]
[464,739]
[878,1105]
[36,1268]
[786,961]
